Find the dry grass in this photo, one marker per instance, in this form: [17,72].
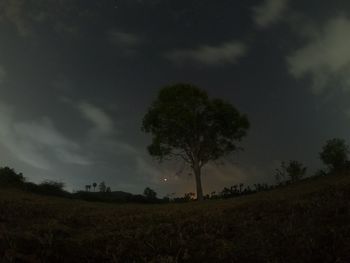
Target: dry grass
[307,222]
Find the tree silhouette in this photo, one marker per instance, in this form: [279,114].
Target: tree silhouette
[9,176]
[234,188]
[292,172]
[257,187]
[94,185]
[87,188]
[102,187]
[334,154]
[241,187]
[149,194]
[187,124]
[189,196]
[226,192]
[51,188]
[296,171]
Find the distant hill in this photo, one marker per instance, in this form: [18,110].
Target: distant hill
[305,222]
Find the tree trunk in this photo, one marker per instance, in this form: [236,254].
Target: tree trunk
[197,173]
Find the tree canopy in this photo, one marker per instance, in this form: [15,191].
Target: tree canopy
[150,194]
[185,123]
[292,172]
[9,176]
[335,154]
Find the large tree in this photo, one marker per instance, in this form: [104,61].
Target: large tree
[185,123]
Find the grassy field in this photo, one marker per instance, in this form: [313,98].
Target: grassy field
[305,222]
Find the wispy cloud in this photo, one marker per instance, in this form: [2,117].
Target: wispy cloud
[325,58]
[103,134]
[226,53]
[106,146]
[25,15]
[126,42]
[147,169]
[102,123]
[124,39]
[37,142]
[269,12]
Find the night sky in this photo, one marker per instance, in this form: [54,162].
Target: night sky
[77,76]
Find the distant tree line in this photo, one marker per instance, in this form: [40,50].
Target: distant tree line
[101,187]
[228,192]
[334,155]
[10,178]
[106,195]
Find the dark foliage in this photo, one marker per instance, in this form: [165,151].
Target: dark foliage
[150,194]
[186,124]
[47,188]
[9,177]
[102,187]
[52,188]
[292,172]
[335,155]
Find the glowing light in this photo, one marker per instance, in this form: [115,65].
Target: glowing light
[165,179]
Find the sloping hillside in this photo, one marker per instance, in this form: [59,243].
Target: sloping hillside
[306,222]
